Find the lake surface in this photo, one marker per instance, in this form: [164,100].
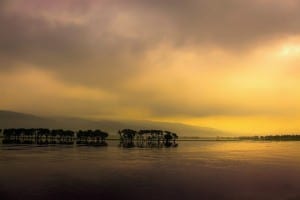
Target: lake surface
[193,170]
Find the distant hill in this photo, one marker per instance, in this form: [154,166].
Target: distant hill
[9,119]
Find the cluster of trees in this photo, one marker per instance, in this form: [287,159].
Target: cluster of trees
[91,135]
[97,137]
[38,134]
[272,137]
[148,136]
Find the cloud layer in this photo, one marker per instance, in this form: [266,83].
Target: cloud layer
[160,59]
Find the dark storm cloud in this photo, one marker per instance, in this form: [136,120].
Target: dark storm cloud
[105,43]
[67,49]
[226,23]
[28,36]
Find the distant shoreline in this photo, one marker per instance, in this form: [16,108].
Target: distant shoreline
[216,140]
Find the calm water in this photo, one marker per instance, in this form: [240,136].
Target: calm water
[193,170]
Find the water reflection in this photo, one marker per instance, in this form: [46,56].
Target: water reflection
[88,142]
[196,170]
[149,144]
[91,143]
[37,141]
[54,142]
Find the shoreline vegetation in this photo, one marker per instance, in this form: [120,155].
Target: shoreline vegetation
[127,137]
[147,138]
[124,136]
[56,136]
[283,137]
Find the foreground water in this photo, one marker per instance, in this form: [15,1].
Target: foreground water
[193,170]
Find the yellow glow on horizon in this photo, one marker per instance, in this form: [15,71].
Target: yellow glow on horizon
[253,92]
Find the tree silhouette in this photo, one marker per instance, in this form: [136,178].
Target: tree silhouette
[89,137]
[175,137]
[41,136]
[168,137]
[128,135]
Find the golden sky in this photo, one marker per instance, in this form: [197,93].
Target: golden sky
[226,64]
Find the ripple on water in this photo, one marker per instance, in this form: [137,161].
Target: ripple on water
[194,170]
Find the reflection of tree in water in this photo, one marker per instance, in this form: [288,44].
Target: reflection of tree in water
[91,143]
[128,137]
[147,138]
[38,136]
[92,138]
[43,136]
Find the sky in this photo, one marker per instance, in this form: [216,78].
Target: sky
[232,65]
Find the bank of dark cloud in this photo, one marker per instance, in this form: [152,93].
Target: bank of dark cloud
[98,53]
[229,24]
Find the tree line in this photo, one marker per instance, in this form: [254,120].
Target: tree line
[150,137]
[54,134]
[285,137]
[92,135]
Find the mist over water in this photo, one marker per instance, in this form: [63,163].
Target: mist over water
[193,170]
